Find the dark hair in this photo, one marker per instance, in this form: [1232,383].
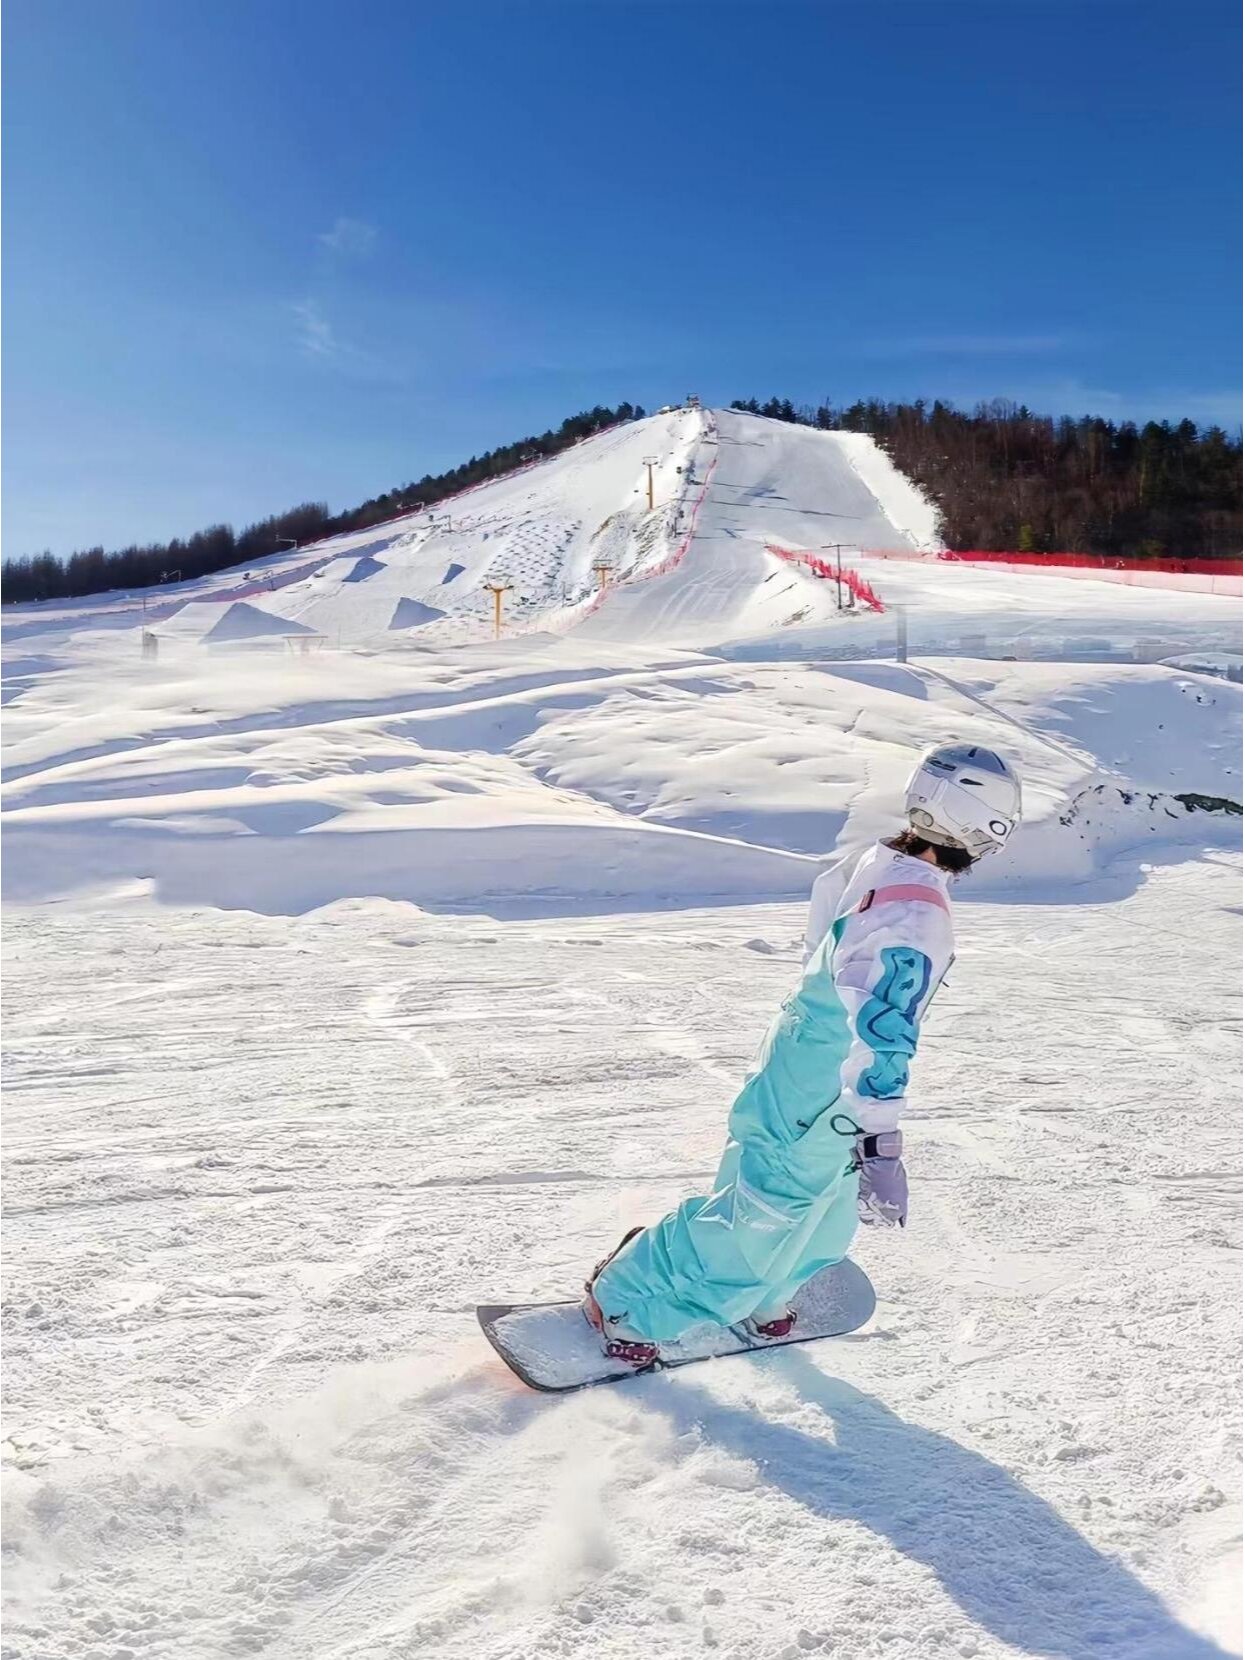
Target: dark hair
[955,859]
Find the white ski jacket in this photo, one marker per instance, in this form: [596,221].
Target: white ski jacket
[891,942]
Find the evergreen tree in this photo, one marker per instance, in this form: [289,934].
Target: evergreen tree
[1006,477]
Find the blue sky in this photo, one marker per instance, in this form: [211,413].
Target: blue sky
[265,251]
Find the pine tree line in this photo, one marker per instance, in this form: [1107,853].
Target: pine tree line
[93,570]
[1006,479]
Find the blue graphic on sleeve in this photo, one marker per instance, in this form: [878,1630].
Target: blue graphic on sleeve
[888,1021]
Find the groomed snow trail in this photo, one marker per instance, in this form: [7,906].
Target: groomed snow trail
[254,1197]
[766,481]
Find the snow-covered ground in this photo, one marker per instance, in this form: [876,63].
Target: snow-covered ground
[564,770]
[351,988]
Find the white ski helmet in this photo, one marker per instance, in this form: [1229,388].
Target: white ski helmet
[963,796]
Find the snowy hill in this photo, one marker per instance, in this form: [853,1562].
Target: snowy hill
[568,759]
[362,968]
[694,570]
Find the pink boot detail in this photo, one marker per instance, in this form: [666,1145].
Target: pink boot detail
[781,1327]
[635,1351]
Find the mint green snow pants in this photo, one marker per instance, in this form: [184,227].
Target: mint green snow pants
[783,1203]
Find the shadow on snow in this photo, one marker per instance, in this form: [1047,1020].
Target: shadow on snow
[1005,1556]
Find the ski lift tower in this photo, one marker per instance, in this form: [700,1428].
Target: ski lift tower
[497,585]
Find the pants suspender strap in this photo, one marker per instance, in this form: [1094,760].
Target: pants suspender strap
[909,892]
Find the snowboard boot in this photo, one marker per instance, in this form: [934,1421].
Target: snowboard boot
[776,1326]
[619,1344]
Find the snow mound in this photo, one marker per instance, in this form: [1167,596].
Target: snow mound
[412,613]
[364,568]
[582,776]
[248,622]
[191,621]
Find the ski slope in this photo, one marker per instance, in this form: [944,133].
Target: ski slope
[767,480]
[350,986]
[541,528]
[693,571]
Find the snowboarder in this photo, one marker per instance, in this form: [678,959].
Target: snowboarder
[814,1144]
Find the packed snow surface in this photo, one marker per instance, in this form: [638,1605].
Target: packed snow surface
[363,973]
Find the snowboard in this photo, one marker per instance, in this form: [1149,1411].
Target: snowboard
[552,1347]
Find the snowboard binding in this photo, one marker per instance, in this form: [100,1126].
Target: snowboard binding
[774,1329]
[637,1352]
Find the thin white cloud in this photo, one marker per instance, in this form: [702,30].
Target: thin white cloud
[352,238]
[319,341]
[1206,408]
[315,332]
[1069,396]
[971,345]
[1212,408]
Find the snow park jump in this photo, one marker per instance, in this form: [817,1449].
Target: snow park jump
[621,1021]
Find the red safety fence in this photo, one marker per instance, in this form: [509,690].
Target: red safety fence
[851,580]
[863,592]
[1097,562]
[676,558]
[1202,576]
